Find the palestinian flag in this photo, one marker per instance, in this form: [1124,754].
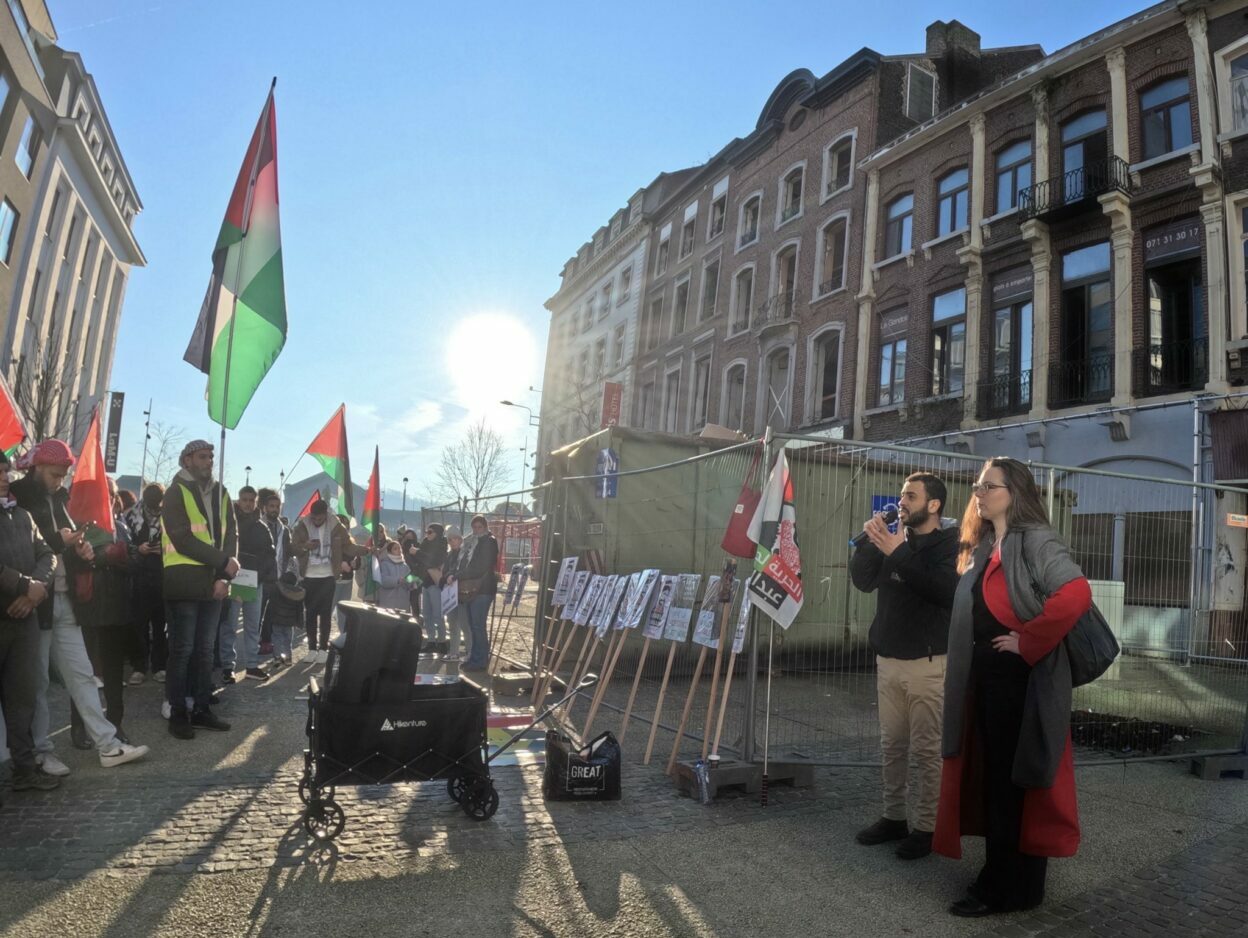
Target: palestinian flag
[307,506]
[776,586]
[12,427]
[242,323]
[371,523]
[89,501]
[330,450]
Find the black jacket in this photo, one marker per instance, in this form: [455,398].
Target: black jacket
[255,545]
[24,556]
[110,602]
[430,555]
[481,566]
[50,513]
[146,568]
[916,584]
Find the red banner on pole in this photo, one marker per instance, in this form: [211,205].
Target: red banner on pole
[612,402]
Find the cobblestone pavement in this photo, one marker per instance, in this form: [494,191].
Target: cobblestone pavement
[216,821]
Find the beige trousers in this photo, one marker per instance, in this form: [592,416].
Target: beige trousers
[911,699]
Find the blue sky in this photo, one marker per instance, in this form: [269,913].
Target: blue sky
[438,163]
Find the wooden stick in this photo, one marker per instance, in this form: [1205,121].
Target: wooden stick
[684,717]
[544,659]
[543,687]
[632,695]
[589,663]
[723,706]
[607,654]
[602,684]
[551,623]
[658,707]
[580,659]
[719,660]
[497,647]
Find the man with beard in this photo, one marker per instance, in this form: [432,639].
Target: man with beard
[283,560]
[914,572]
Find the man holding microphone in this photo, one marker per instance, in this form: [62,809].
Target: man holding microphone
[914,574]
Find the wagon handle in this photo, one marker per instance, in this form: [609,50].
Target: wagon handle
[589,680]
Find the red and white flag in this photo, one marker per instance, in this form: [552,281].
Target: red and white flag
[776,585]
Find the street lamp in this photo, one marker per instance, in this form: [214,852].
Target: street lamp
[532,423]
[247,479]
[403,517]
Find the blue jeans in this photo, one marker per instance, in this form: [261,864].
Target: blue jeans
[431,603]
[478,612]
[192,629]
[250,613]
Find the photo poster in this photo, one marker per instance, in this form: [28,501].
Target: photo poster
[450,598]
[657,619]
[640,598]
[607,618]
[599,612]
[706,629]
[681,613]
[580,580]
[743,624]
[631,583]
[567,568]
[589,599]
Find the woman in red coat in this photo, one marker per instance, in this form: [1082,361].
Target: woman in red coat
[1008,773]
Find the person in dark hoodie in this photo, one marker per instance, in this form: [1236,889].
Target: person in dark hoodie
[143,523]
[255,552]
[431,559]
[914,574]
[199,540]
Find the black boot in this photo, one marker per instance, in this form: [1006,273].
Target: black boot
[180,724]
[208,720]
[882,831]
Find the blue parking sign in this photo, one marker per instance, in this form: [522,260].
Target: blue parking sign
[607,467]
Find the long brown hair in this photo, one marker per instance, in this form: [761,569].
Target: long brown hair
[1026,507]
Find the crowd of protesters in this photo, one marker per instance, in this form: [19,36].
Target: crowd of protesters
[166,594]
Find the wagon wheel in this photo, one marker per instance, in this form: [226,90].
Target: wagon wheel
[457,787]
[306,792]
[480,800]
[324,820]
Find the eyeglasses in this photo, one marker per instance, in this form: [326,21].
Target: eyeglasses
[983,488]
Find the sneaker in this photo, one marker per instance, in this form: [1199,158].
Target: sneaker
[121,755]
[34,780]
[51,764]
[882,831]
[137,678]
[159,677]
[180,725]
[99,685]
[256,674]
[208,720]
[916,846]
[165,709]
[227,676]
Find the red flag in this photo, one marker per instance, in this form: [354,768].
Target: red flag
[12,429]
[88,496]
[312,500]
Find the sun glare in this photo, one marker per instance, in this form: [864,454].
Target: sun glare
[492,357]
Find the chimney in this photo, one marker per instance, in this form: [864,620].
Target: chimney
[945,38]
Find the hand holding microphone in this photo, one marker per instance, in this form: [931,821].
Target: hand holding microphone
[885,518]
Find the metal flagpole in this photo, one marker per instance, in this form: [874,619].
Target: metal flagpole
[771,644]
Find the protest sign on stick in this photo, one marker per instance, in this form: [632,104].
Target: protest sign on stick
[679,606]
[730,583]
[590,598]
[717,588]
[600,609]
[638,614]
[544,677]
[738,642]
[611,617]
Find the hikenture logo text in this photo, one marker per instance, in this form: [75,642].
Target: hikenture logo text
[391,725]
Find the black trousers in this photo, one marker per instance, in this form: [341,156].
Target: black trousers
[19,663]
[1009,879]
[318,604]
[109,648]
[149,626]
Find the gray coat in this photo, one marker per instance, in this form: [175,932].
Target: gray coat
[396,590]
[1046,711]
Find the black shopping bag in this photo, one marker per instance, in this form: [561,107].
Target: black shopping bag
[588,774]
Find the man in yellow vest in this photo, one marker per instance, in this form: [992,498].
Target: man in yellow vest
[199,543]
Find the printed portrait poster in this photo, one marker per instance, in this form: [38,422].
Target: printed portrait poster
[706,631]
[681,614]
[657,618]
[589,599]
[603,622]
[743,624]
[639,603]
[567,568]
[580,580]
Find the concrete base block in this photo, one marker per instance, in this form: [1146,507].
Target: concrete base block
[1212,768]
[745,775]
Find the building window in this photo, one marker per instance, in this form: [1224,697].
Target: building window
[654,324]
[69,239]
[777,375]
[701,392]
[948,341]
[660,264]
[1239,93]
[719,212]
[680,308]
[710,291]
[827,373]
[953,197]
[791,195]
[53,214]
[838,164]
[892,373]
[34,295]
[626,283]
[1085,371]
[600,358]
[1084,155]
[782,301]
[8,229]
[1013,174]
[920,94]
[743,298]
[834,237]
[733,414]
[671,402]
[604,307]
[621,333]
[647,406]
[1166,117]
[686,238]
[582,367]
[587,320]
[898,227]
[749,220]
[4,91]
[27,147]
[1009,391]
[1175,356]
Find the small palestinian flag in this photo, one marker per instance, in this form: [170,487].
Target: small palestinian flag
[330,450]
[12,427]
[307,506]
[371,522]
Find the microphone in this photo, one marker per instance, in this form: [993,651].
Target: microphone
[888,517]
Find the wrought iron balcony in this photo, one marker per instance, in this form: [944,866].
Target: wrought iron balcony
[778,310]
[1090,381]
[1170,367]
[1068,193]
[1005,395]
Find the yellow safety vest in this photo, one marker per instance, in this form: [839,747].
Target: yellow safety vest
[199,528]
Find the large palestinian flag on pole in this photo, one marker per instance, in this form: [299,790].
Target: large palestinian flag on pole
[330,450]
[242,323]
[776,586]
[12,427]
[371,523]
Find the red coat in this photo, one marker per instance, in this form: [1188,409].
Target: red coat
[1050,815]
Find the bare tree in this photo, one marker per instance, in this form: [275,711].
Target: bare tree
[44,386]
[474,466]
[162,452]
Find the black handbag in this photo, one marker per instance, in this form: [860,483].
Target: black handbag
[1090,645]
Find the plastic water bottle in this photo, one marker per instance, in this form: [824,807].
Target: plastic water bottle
[703,778]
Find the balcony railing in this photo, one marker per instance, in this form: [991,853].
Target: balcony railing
[1090,381]
[778,310]
[1170,367]
[1005,395]
[1065,193]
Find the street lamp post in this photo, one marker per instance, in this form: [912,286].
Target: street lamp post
[147,436]
[403,516]
[247,477]
[533,422]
